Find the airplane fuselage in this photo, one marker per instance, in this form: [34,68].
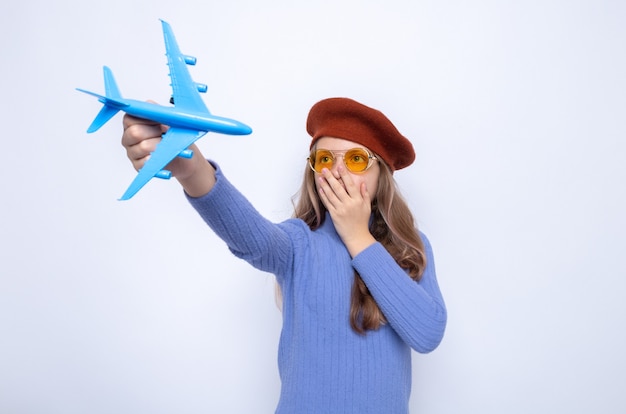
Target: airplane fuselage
[175,117]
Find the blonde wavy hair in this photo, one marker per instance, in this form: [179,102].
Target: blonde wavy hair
[392,225]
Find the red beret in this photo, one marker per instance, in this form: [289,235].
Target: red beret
[347,119]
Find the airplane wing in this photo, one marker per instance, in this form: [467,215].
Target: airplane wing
[173,143]
[185,90]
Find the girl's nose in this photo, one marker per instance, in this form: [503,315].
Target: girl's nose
[338,161]
[335,168]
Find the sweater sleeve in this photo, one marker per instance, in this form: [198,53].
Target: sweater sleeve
[415,310]
[249,235]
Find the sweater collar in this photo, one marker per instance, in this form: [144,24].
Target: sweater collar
[329,227]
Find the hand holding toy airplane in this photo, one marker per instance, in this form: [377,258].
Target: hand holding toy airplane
[188,120]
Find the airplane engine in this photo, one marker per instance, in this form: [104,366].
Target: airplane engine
[190,60]
[186,153]
[201,87]
[164,174]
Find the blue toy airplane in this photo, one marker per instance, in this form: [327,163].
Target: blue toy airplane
[188,120]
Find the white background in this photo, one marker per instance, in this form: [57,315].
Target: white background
[517,110]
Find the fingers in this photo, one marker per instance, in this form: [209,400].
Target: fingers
[140,139]
[137,129]
[341,184]
[338,190]
[350,187]
[331,190]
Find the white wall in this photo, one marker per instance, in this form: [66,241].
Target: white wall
[517,111]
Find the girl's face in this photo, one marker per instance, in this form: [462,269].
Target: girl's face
[369,176]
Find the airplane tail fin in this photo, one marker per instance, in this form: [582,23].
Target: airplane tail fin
[110,86]
[113,101]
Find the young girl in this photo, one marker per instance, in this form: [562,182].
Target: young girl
[357,279]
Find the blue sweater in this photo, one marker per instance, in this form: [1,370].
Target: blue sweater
[325,367]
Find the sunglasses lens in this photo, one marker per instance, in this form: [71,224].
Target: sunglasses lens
[322,159]
[356,160]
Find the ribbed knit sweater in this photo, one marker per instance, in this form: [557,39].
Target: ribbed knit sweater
[325,367]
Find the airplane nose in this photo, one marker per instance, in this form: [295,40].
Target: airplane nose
[243,129]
